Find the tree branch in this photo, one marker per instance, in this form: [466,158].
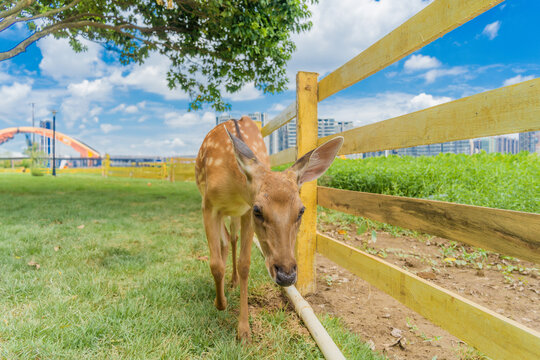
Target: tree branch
[12,19]
[8,21]
[16,9]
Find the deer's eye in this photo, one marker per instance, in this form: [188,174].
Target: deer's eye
[257,212]
[301,213]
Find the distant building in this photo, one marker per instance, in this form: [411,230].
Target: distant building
[286,135]
[257,116]
[502,144]
[342,126]
[45,142]
[222,118]
[529,141]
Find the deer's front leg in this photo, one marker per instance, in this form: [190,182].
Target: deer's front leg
[213,225]
[235,226]
[246,238]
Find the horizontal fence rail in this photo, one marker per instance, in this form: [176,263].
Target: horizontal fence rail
[432,22]
[145,172]
[507,232]
[283,157]
[284,117]
[493,334]
[510,109]
[182,169]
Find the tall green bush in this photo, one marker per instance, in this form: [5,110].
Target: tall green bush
[496,180]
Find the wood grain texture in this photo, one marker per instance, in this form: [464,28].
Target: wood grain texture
[432,22]
[493,334]
[506,232]
[283,157]
[284,117]
[506,110]
[307,132]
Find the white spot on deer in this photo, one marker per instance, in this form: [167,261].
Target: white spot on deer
[218,162]
[209,161]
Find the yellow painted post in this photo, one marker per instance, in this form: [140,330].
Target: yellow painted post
[306,140]
[259,124]
[171,169]
[164,170]
[106,165]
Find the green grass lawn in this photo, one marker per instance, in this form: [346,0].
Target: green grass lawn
[122,275]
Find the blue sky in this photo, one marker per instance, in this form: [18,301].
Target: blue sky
[128,110]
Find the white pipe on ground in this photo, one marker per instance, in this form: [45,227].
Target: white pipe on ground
[325,343]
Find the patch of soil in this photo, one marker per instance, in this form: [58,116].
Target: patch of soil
[505,285]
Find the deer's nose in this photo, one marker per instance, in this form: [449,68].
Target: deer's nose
[285,278]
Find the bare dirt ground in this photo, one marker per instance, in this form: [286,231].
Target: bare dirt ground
[505,285]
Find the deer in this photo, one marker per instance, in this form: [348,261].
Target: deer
[235,180]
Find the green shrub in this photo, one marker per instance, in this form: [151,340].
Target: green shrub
[35,171]
[495,180]
[26,163]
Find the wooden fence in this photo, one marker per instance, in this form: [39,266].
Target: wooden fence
[506,110]
[174,169]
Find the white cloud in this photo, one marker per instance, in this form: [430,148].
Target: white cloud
[96,110]
[248,92]
[278,107]
[128,109]
[118,108]
[13,93]
[107,128]
[517,79]
[342,29]
[5,77]
[12,96]
[423,100]
[168,144]
[99,89]
[188,119]
[150,77]
[131,109]
[60,62]
[363,111]
[77,107]
[433,74]
[492,30]
[421,62]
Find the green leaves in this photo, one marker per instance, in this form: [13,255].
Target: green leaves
[214,45]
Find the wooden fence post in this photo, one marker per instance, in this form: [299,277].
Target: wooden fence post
[306,140]
[106,165]
[259,124]
[171,169]
[164,170]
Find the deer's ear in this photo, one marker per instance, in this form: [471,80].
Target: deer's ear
[313,164]
[246,159]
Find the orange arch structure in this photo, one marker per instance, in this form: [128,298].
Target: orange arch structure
[83,149]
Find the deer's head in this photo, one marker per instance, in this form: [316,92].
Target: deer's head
[276,208]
